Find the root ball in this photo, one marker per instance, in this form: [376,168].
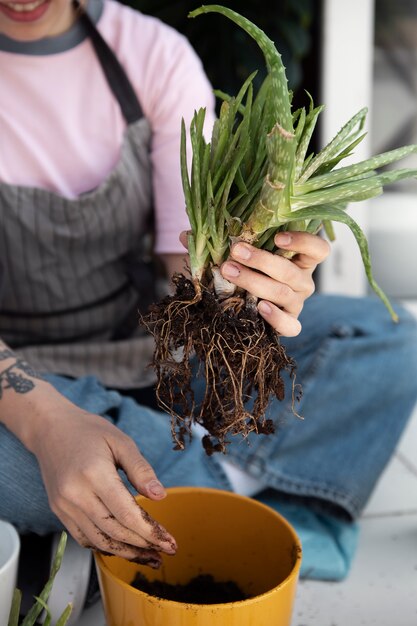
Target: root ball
[238,354]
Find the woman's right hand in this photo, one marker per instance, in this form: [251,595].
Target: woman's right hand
[79,454]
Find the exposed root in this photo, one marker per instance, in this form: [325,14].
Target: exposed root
[234,302]
[239,355]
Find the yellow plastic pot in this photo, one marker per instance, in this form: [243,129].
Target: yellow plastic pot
[220,533]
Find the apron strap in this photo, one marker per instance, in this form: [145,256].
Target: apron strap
[114,72]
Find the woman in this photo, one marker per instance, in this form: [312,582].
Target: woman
[90,110]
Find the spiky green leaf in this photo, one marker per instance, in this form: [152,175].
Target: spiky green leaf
[15,608]
[337,215]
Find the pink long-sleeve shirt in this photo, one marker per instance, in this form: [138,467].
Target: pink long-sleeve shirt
[61,128]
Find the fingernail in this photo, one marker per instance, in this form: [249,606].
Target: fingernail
[171,550]
[241,251]
[283,239]
[156,488]
[231,270]
[264,308]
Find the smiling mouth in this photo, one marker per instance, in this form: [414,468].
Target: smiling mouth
[22,7]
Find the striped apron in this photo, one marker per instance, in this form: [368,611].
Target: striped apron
[73,271]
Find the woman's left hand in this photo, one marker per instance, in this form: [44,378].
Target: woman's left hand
[282,285]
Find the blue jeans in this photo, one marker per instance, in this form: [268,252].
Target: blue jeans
[358,371]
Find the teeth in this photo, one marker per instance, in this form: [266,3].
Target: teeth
[24,8]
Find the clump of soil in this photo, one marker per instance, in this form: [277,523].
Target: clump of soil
[240,357]
[202,589]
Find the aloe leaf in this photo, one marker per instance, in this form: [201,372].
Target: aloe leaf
[241,206]
[344,154]
[211,222]
[275,194]
[305,139]
[246,87]
[238,156]
[350,171]
[308,160]
[313,226]
[335,144]
[37,608]
[299,113]
[219,166]
[347,192]
[240,183]
[197,252]
[254,163]
[338,215]
[228,159]
[344,148]
[329,230]
[205,162]
[222,212]
[279,92]
[197,204]
[220,136]
[280,147]
[185,178]
[65,616]
[222,95]
[232,160]
[47,620]
[266,241]
[218,189]
[262,119]
[15,608]
[388,178]
[300,120]
[215,136]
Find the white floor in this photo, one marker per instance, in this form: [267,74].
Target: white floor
[381,589]
[382,586]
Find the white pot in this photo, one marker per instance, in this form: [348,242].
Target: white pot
[9,560]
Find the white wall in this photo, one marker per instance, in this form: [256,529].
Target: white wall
[346,76]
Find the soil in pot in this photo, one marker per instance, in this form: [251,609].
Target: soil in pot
[202,589]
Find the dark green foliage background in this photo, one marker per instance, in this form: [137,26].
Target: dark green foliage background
[229,55]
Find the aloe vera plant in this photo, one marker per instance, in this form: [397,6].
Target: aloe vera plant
[299,191]
[254,178]
[40,604]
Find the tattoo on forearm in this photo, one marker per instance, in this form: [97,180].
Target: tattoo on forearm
[17,375]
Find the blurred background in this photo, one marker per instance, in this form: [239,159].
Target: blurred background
[346,55]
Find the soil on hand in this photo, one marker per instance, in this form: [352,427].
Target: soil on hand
[202,589]
[240,358]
